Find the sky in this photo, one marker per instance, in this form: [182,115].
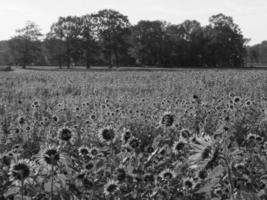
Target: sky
[250,15]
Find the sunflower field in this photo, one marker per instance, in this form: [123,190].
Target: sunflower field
[184,135]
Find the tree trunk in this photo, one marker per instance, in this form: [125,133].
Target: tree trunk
[87,60]
[110,59]
[116,58]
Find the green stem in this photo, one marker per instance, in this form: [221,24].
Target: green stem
[52,181]
[22,189]
[230,178]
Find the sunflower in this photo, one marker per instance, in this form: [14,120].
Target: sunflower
[185,133]
[251,137]
[66,134]
[218,192]
[51,156]
[21,120]
[6,159]
[21,170]
[263,125]
[107,134]
[167,119]
[55,118]
[17,149]
[82,180]
[94,151]
[134,143]
[203,174]
[236,99]
[83,151]
[167,174]
[149,178]
[179,146]
[189,183]
[204,151]
[126,135]
[121,174]
[89,166]
[111,187]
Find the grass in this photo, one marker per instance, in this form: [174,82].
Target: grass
[223,110]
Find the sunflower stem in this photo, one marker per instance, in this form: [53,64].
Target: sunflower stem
[52,181]
[22,189]
[229,173]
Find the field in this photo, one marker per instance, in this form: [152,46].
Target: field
[186,134]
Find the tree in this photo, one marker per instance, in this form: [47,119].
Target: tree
[55,50]
[149,45]
[113,27]
[26,46]
[68,30]
[89,38]
[225,45]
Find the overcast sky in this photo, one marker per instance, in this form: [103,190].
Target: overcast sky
[251,15]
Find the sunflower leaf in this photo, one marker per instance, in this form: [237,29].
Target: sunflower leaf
[217,171]
[207,188]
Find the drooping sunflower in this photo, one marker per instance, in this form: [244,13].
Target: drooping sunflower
[107,134]
[126,135]
[21,170]
[111,187]
[204,152]
[66,134]
[167,119]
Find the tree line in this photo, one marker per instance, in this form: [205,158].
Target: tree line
[107,38]
[257,53]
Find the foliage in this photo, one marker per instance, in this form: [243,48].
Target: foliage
[108,38]
[25,46]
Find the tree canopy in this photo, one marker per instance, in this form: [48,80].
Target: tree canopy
[108,38]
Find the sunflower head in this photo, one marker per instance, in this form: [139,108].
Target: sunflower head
[6,159]
[121,174]
[189,183]
[236,99]
[65,134]
[82,180]
[89,166]
[167,174]
[51,156]
[134,143]
[149,178]
[126,135]
[107,134]
[94,151]
[204,152]
[84,151]
[21,170]
[179,146]
[167,119]
[110,188]
[185,133]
